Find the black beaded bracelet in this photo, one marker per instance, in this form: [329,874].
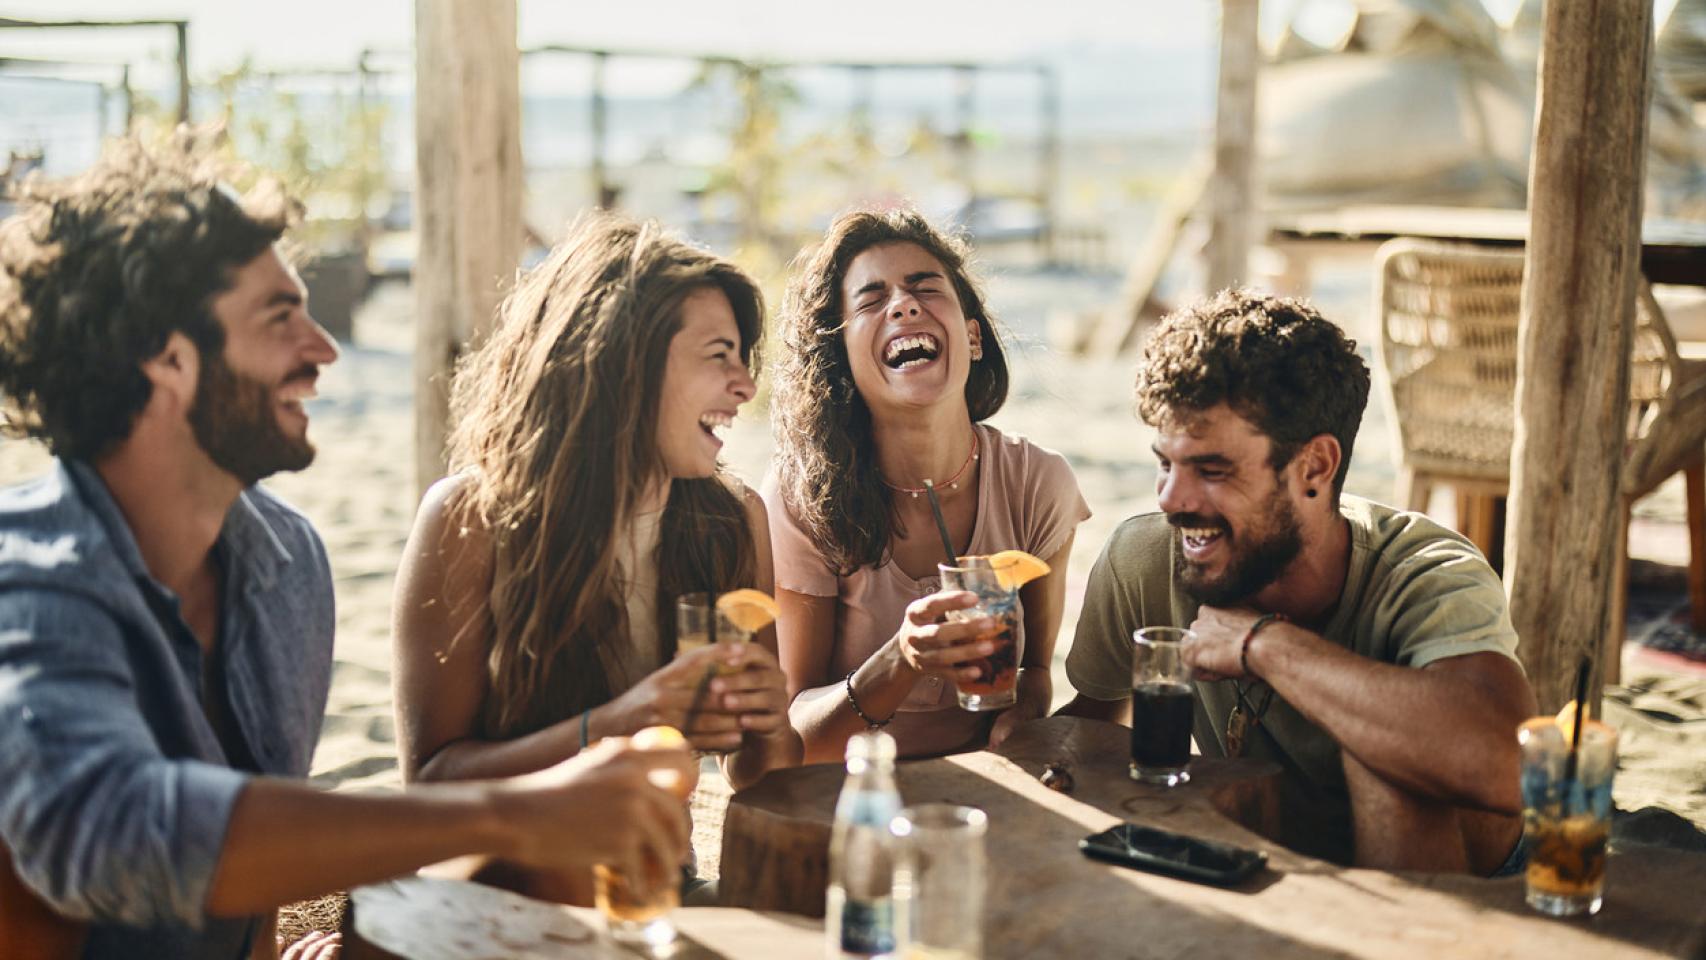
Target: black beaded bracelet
[1250,634]
[869,723]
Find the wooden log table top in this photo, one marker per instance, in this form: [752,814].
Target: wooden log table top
[1046,899]
[437,918]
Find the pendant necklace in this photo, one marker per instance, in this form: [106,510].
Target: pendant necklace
[1244,718]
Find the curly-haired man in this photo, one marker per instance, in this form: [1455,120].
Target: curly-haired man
[1366,650]
[166,626]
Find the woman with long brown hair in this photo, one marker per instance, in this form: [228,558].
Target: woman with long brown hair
[891,365]
[534,609]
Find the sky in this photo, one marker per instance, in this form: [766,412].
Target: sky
[332,32]
[302,32]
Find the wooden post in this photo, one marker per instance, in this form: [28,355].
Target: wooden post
[602,194]
[129,101]
[468,180]
[1578,302]
[864,78]
[1048,155]
[1231,193]
[183,30]
[965,104]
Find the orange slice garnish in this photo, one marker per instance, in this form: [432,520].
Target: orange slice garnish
[1015,568]
[751,610]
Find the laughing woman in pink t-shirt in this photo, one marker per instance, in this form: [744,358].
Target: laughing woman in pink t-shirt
[890,366]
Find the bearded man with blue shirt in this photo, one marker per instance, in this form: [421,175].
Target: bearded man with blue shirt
[166,625]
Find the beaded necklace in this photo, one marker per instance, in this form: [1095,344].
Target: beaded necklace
[952,483]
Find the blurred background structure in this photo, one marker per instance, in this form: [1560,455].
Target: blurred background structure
[1107,158]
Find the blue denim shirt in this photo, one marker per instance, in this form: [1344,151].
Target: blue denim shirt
[115,791]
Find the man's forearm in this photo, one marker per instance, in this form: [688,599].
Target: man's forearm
[1440,735]
[288,842]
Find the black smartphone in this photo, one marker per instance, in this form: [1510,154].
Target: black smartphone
[1189,858]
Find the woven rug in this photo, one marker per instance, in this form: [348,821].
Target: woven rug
[1659,621]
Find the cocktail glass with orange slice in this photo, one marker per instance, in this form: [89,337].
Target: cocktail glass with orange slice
[1566,821]
[735,616]
[995,580]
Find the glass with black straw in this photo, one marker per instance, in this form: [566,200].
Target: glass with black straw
[1567,766]
[996,684]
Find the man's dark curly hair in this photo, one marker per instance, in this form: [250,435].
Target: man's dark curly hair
[98,270]
[1274,360]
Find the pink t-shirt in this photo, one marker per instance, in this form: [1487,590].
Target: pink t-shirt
[1027,499]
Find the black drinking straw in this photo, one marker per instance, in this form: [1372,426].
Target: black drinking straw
[941,524]
[711,670]
[1571,764]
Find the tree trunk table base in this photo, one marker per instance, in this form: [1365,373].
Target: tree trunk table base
[776,833]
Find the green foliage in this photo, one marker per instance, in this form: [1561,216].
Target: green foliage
[325,149]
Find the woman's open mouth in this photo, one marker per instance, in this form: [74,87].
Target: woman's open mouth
[711,423]
[911,350]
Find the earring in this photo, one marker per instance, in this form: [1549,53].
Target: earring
[976,353]
[1311,493]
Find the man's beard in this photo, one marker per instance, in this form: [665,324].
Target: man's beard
[1269,550]
[235,419]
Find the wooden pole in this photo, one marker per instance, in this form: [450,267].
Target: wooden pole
[602,194]
[1578,302]
[965,105]
[1231,193]
[863,76]
[468,182]
[183,32]
[1048,156]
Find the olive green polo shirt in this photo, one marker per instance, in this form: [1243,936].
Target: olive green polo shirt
[1414,593]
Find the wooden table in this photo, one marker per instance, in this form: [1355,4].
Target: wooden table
[1672,251]
[434,918]
[1045,899]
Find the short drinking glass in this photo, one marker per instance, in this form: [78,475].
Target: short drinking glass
[998,673]
[697,621]
[640,921]
[1161,706]
[1565,822]
[940,872]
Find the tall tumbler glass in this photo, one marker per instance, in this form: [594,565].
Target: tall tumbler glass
[1161,706]
[998,673]
[1566,821]
[940,873]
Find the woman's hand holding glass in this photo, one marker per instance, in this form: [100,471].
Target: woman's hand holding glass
[749,696]
[756,695]
[932,644]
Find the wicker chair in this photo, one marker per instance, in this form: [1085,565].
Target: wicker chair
[1448,349]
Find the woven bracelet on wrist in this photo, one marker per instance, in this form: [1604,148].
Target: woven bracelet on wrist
[1250,634]
[869,723]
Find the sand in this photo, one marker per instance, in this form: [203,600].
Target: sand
[360,495]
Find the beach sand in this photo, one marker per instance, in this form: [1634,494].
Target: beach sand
[360,495]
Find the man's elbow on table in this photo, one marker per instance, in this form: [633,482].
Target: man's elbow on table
[1114,711]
